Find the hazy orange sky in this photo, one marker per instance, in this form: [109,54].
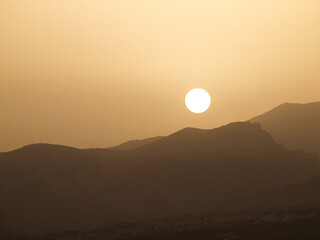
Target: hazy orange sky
[97,73]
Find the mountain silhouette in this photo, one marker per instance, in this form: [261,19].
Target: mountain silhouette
[48,188]
[135,143]
[296,126]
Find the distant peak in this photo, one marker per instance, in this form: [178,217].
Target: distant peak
[43,146]
[286,108]
[288,104]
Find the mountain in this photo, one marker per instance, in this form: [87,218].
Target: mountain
[296,126]
[135,143]
[49,188]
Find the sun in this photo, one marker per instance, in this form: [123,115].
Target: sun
[198,100]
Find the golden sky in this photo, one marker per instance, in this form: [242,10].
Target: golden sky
[98,72]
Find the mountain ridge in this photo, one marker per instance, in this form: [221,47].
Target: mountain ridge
[191,171]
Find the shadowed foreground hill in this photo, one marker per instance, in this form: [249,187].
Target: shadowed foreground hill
[48,188]
[302,195]
[296,126]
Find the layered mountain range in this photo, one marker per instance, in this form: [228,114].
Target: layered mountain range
[49,188]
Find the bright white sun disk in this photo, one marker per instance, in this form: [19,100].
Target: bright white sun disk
[198,100]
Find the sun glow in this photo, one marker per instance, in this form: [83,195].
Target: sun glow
[198,100]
